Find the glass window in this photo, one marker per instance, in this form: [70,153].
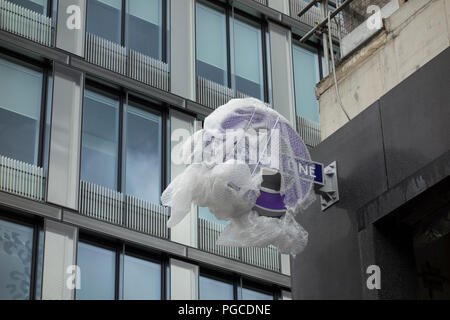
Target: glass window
[142,279]
[204,213]
[16,251]
[211,289]
[99,157]
[39,6]
[98,272]
[306,75]
[48,119]
[143,154]
[104,19]
[20,113]
[211,42]
[248,64]
[250,294]
[40,261]
[144,33]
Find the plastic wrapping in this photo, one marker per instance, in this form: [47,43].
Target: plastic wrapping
[224,174]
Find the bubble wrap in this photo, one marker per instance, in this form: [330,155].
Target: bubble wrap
[228,183]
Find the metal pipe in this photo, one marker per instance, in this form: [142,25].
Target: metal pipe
[325,20]
[324,38]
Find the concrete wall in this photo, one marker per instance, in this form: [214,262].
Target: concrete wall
[413,35]
[387,156]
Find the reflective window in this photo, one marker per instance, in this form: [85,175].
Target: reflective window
[145,30]
[99,159]
[204,213]
[20,113]
[98,272]
[16,251]
[40,261]
[306,75]
[248,63]
[143,154]
[104,19]
[48,119]
[211,42]
[39,6]
[250,294]
[142,279]
[211,289]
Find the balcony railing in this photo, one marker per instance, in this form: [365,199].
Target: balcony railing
[309,131]
[21,179]
[267,258]
[26,23]
[313,16]
[214,95]
[114,57]
[263,2]
[123,210]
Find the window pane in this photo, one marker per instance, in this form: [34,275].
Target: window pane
[211,42]
[99,159]
[98,273]
[144,32]
[142,279]
[104,19]
[40,259]
[48,118]
[249,294]
[143,162]
[204,213]
[306,74]
[211,289]
[39,6]
[16,247]
[248,59]
[20,113]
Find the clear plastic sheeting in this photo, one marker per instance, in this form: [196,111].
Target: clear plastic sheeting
[224,173]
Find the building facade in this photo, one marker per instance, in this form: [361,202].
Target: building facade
[388,236]
[90,92]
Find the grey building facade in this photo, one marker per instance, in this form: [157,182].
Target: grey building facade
[90,93]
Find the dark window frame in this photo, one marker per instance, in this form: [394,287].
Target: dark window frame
[164,27]
[46,68]
[149,106]
[120,247]
[37,224]
[236,279]
[263,26]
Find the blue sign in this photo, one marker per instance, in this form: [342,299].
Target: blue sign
[309,170]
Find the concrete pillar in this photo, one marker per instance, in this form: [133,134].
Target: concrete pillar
[59,254]
[182,48]
[280,5]
[65,141]
[286,264]
[186,231]
[183,280]
[282,74]
[71,26]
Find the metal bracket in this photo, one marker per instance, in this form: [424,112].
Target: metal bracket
[329,192]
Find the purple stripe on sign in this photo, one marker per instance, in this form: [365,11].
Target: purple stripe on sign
[272,201]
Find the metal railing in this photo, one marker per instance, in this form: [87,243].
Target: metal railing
[114,57]
[267,258]
[309,131]
[213,95]
[313,16]
[22,179]
[263,2]
[127,211]
[26,23]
